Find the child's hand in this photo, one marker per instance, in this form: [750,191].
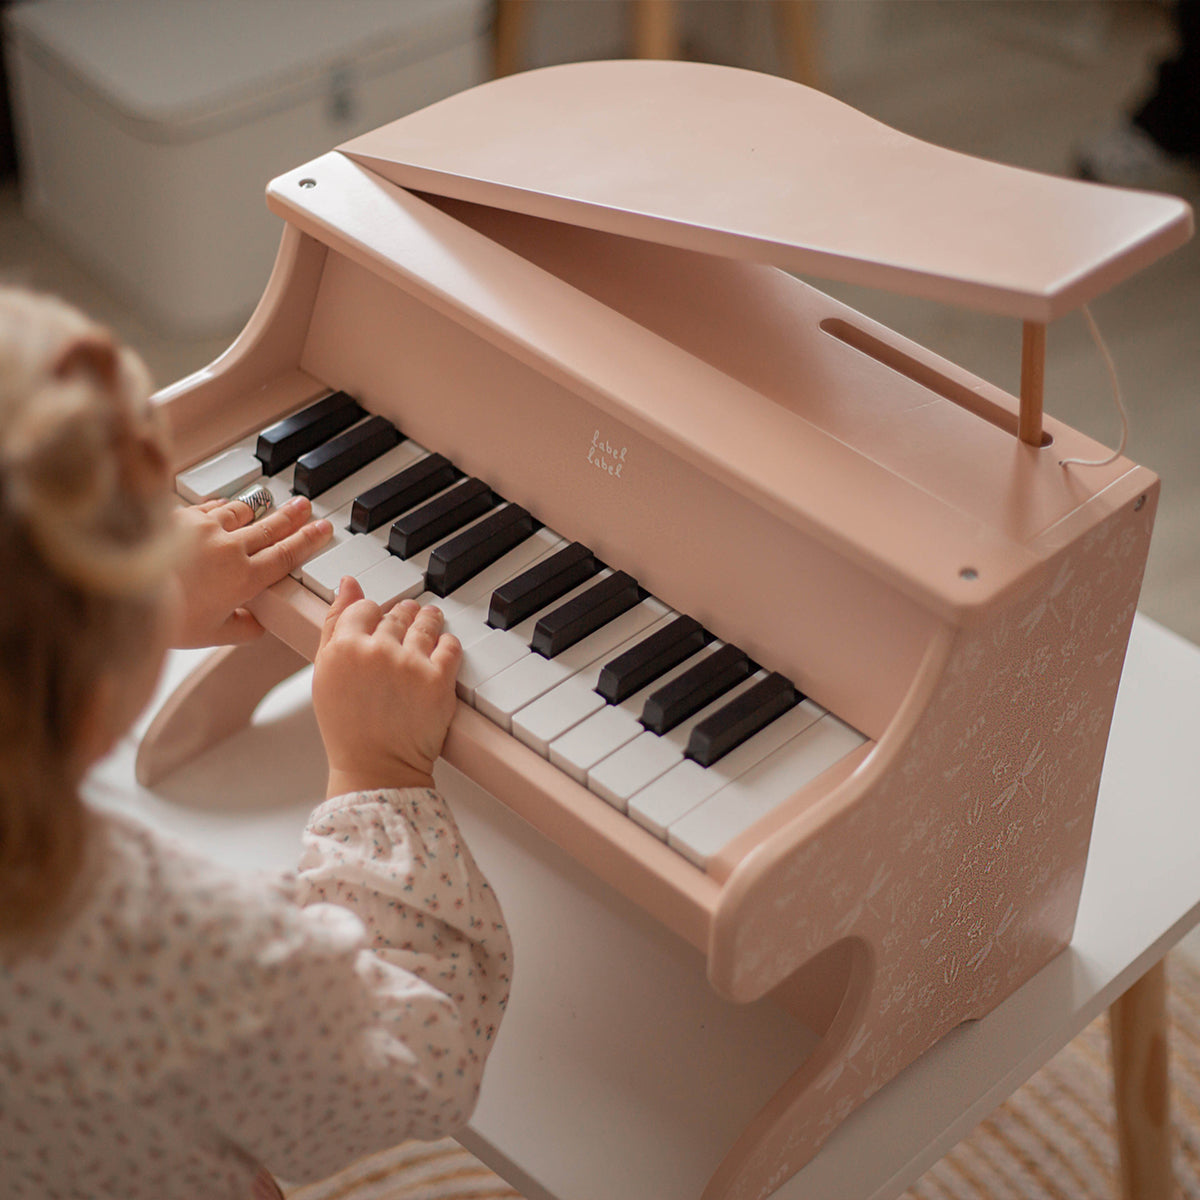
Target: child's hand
[232,560]
[383,691]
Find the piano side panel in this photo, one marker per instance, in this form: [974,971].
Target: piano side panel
[961,846]
[951,865]
[256,378]
[845,638]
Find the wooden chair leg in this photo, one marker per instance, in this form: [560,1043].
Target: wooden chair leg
[796,23]
[217,699]
[1138,1030]
[655,29]
[510,25]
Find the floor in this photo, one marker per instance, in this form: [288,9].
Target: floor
[1011,80]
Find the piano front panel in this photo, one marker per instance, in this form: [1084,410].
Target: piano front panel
[850,642]
[694,804]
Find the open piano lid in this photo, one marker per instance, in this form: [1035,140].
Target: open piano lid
[750,166]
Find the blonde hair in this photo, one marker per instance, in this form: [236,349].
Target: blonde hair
[85,549]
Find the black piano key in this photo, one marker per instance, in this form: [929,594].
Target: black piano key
[406,489]
[412,532]
[319,469]
[282,443]
[455,561]
[741,718]
[696,687]
[574,620]
[541,585]
[631,671]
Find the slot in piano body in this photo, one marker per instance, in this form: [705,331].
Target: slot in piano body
[850,510]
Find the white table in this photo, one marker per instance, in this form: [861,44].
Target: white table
[617,1071]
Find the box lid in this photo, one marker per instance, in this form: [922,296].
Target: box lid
[177,68]
[751,166]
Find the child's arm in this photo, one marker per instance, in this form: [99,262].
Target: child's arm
[306,1025]
[229,559]
[383,1015]
[439,970]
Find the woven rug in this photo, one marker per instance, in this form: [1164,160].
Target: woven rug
[1053,1140]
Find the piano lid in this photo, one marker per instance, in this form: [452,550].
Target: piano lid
[751,166]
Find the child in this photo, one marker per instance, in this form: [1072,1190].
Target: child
[168,1029]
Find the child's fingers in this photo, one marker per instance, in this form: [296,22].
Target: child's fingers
[447,655]
[271,564]
[349,592]
[399,617]
[240,626]
[422,635]
[397,620]
[232,514]
[275,526]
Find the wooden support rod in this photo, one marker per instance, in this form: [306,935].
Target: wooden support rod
[1033,373]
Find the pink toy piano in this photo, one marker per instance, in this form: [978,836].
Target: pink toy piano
[799,636]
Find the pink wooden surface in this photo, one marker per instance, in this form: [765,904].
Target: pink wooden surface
[804,481]
[843,448]
[753,166]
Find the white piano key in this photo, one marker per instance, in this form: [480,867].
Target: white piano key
[514,687]
[390,579]
[559,710]
[223,475]
[360,553]
[522,683]
[353,556]
[487,657]
[468,622]
[383,577]
[638,763]
[610,728]
[574,700]
[280,485]
[342,495]
[712,824]
[594,739]
[500,649]
[466,608]
[688,784]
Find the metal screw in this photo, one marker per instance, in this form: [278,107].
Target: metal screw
[969,573]
[1139,503]
[307,183]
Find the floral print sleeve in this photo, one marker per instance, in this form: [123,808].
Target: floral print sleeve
[406,1012]
[397,860]
[192,1023]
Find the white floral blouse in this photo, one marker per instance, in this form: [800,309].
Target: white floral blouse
[189,1024]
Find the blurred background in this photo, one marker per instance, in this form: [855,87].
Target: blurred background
[138,136]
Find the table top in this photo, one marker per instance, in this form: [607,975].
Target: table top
[618,1071]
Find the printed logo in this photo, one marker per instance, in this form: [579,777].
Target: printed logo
[604,456]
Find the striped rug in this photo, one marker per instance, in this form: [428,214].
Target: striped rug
[1053,1140]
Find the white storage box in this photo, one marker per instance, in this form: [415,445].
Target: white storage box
[148,129]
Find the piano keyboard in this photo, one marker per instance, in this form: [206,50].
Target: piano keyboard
[640,704]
